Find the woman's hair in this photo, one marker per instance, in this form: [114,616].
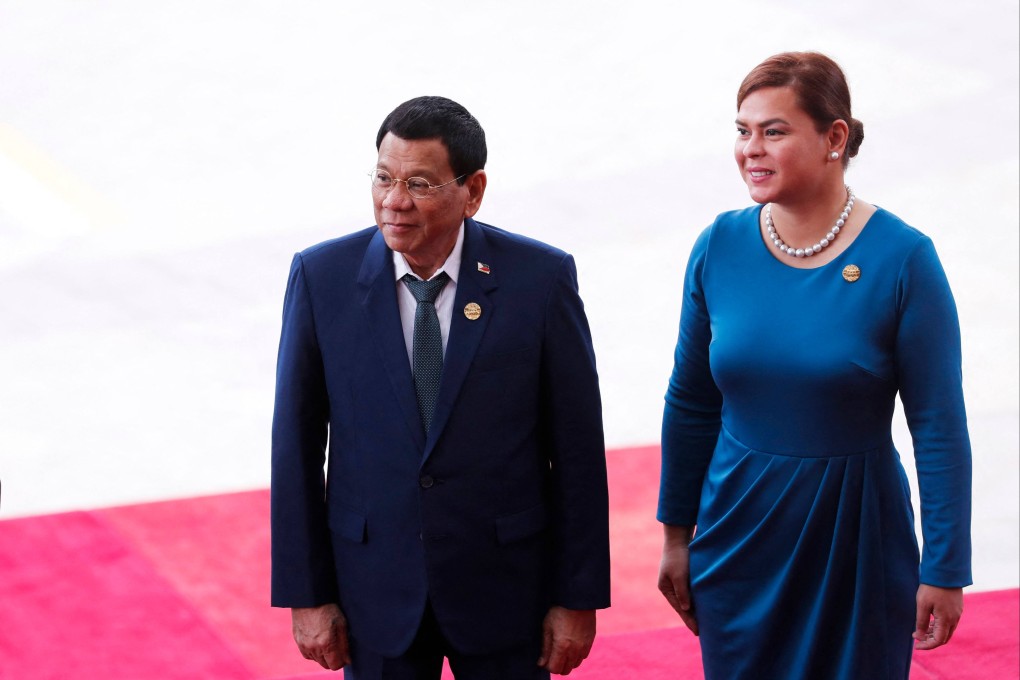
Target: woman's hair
[820,86]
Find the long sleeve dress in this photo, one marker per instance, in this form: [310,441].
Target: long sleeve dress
[777,445]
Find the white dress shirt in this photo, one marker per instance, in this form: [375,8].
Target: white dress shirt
[444,302]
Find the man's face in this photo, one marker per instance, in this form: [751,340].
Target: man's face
[424,230]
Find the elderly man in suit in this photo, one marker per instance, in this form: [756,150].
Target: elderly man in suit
[438,470]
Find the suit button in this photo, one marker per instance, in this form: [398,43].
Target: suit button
[426,482]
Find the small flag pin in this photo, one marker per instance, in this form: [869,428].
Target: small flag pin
[483,268]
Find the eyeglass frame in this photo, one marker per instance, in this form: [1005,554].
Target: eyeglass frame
[432,187]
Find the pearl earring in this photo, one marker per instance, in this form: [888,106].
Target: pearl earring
[834,155]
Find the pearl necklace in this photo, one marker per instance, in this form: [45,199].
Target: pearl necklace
[816,248]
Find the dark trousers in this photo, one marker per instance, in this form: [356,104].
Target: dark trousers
[424,660]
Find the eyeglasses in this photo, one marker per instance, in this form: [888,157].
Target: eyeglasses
[418,187]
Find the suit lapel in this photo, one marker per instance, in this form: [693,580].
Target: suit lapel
[473,286]
[379,304]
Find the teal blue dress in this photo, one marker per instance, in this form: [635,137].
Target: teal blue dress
[777,444]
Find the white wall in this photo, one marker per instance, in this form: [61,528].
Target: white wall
[161,162]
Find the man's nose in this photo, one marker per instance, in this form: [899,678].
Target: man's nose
[398,198]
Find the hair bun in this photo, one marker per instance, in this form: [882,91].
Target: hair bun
[853,143]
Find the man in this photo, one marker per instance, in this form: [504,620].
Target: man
[447,368]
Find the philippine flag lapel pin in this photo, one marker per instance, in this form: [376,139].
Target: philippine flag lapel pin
[484,268]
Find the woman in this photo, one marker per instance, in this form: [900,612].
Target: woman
[789,535]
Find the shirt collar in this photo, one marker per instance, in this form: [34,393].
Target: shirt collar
[451,266]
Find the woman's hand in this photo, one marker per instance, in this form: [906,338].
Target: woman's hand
[938,615]
[675,573]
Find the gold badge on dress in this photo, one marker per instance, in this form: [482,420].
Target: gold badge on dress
[851,273]
[472,311]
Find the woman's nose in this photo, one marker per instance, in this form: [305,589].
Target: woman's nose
[752,146]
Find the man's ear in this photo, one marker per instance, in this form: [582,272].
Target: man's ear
[476,189]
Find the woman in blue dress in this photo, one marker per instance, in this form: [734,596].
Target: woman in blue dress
[789,534]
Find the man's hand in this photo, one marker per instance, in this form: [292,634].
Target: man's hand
[321,635]
[567,636]
[938,613]
[675,574]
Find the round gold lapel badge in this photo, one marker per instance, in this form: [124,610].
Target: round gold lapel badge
[472,311]
[851,273]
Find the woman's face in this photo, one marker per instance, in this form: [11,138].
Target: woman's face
[781,155]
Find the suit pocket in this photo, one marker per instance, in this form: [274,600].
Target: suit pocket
[521,525]
[347,523]
[501,360]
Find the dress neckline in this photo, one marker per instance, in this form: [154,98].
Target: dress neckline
[765,245]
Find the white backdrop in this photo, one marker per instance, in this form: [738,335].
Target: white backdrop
[161,162]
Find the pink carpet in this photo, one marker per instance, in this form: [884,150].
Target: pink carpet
[179,589]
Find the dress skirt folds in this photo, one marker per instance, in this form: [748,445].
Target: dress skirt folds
[777,445]
[802,548]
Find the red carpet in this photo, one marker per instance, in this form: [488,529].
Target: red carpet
[179,589]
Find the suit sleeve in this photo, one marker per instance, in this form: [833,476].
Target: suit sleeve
[928,364]
[302,558]
[572,408]
[691,418]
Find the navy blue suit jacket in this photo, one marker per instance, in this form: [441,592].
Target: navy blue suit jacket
[502,511]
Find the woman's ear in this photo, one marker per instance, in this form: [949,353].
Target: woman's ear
[839,134]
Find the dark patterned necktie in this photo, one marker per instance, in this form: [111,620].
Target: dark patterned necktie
[427,348]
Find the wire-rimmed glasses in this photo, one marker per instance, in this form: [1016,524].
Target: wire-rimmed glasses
[418,187]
